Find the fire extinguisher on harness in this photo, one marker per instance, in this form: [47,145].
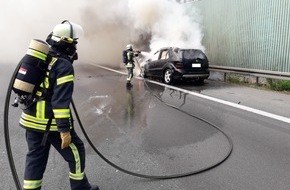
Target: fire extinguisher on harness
[31,73]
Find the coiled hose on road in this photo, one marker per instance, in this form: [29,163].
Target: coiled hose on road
[10,154]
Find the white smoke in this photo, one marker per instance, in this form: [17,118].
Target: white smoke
[108,26]
[168,22]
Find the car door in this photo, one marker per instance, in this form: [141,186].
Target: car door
[151,66]
[159,66]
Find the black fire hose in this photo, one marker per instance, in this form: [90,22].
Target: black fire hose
[6,130]
[12,164]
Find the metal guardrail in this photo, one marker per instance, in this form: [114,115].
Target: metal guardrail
[251,72]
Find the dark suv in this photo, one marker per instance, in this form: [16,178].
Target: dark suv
[174,63]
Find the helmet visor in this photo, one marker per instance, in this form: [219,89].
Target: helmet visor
[78,31]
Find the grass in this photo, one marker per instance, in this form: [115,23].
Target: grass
[279,85]
[235,79]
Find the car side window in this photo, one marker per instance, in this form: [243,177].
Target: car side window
[164,54]
[175,55]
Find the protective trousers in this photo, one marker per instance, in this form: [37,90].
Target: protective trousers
[130,72]
[37,157]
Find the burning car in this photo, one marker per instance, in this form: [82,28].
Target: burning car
[173,63]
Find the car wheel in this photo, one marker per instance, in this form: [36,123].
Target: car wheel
[167,76]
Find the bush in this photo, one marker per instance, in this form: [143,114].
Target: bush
[279,85]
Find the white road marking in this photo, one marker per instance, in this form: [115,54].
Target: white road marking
[238,106]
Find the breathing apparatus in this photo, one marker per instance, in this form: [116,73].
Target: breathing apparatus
[31,72]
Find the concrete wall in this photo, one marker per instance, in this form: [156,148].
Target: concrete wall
[251,34]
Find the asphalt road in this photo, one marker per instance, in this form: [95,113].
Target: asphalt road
[138,131]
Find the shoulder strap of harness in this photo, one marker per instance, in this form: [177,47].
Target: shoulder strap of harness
[47,128]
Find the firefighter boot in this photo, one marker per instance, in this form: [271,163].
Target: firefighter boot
[94,187]
[129,85]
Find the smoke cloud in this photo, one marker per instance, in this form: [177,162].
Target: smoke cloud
[108,26]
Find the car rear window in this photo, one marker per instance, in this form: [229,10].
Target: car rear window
[191,54]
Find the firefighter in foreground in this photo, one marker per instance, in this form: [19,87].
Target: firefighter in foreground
[50,115]
[129,56]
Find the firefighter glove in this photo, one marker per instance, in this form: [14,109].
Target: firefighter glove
[65,139]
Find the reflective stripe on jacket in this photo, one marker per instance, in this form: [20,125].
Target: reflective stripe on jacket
[59,85]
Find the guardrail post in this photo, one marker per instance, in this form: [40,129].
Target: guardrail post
[257,80]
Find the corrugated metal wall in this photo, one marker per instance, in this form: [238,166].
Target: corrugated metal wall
[252,34]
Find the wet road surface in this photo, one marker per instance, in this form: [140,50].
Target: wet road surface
[138,131]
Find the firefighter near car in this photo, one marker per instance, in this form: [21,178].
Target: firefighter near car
[129,56]
[47,119]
